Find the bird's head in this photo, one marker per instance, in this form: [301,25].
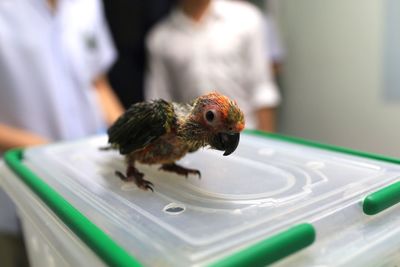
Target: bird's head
[219,121]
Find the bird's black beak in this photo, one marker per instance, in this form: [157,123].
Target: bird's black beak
[227,142]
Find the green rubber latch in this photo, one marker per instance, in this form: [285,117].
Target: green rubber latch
[382,199]
[271,249]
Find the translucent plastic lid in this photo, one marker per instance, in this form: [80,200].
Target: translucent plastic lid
[265,186]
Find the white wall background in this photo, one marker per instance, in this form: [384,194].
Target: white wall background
[333,78]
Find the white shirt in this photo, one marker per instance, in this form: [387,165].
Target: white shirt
[48,63]
[275,50]
[47,66]
[224,52]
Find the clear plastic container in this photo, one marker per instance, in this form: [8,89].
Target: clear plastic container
[264,187]
[49,241]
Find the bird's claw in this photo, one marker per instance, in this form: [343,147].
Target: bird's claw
[195,172]
[137,178]
[145,185]
[123,177]
[172,167]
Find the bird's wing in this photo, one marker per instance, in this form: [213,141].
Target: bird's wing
[140,125]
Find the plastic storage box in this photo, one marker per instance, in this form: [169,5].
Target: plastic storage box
[274,200]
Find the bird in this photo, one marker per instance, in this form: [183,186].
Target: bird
[162,132]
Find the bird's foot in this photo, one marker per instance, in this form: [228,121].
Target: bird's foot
[133,175]
[172,167]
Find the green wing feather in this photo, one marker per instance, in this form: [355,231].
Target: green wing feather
[140,125]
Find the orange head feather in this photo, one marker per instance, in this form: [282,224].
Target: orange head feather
[214,120]
[219,113]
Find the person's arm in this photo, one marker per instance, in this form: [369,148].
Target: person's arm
[13,137]
[263,92]
[106,55]
[266,119]
[110,104]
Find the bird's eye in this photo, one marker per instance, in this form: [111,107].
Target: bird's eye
[210,116]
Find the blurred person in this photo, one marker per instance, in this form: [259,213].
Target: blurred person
[275,49]
[129,23]
[53,56]
[206,45]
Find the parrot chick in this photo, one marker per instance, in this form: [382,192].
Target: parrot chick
[161,132]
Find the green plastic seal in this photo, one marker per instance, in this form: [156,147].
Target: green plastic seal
[382,199]
[272,249]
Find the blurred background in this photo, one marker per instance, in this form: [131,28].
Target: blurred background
[338,71]
[340,81]
[329,69]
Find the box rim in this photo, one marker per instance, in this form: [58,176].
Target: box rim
[114,255]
